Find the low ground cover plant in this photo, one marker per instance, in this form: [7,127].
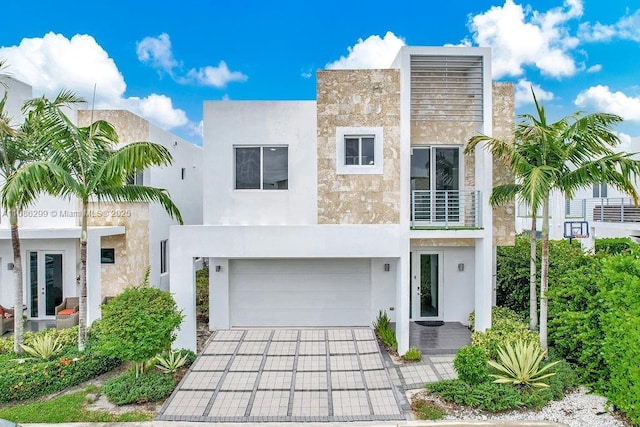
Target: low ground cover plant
[413,355]
[385,332]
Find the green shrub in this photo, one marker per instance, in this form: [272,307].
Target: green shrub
[615,245]
[138,324]
[485,396]
[575,330]
[43,347]
[512,274]
[520,363]
[471,365]
[202,294]
[388,337]
[66,337]
[34,378]
[501,332]
[382,321]
[620,289]
[169,363]
[413,355]
[498,314]
[128,388]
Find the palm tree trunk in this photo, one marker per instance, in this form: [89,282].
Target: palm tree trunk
[82,327]
[18,321]
[533,280]
[544,273]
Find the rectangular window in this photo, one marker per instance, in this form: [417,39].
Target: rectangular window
[600,190]
[163,256]
[359,150]
[262,168]
[107,256]
[135,179]
[182,173]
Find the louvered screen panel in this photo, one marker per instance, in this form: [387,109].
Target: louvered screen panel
[446,88]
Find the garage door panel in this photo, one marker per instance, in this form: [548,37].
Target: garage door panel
[300,292]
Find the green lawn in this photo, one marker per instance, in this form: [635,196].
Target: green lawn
[65,409]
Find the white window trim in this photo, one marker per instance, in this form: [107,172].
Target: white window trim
[378,151]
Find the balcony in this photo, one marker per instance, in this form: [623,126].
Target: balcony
[614,209]
[445,209]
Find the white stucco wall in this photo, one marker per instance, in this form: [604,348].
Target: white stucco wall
[230,123]
[186,194]
[19,92]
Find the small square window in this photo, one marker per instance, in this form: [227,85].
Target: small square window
[107,256]
[359,150]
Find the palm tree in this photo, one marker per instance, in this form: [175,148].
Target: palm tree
[570,154]
[87,163]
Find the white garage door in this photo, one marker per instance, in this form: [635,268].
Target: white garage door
[327,292]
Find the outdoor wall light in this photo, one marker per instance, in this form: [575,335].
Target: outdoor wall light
[387,267]
[218,268]
[10,266]
[461,267]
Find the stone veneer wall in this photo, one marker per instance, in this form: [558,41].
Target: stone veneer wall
[504,217]
[132,248]
[358,98]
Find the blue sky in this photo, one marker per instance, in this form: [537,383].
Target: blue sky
[162,60]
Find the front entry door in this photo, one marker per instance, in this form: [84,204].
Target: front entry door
[426,284]
[44,282]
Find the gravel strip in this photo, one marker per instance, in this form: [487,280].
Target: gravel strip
[577,409]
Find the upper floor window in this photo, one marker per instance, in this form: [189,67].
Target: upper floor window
[135,179]
[600,190]
[359,150]
[262,168]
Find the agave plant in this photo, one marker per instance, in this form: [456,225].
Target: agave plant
[519,364]
[43,347]
[171,362]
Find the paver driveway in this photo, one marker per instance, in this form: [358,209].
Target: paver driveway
[259,375]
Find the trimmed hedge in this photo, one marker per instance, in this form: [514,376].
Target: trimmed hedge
[615,245]
[33,378]
[149,387]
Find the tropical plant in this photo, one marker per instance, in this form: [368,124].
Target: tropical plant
[382,321]
[567,155]
[172,361]
[88,163]
[43,347]
[519,364]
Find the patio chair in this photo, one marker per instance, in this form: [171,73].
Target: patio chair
[6,320]
[67,314]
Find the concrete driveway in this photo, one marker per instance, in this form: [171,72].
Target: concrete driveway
[300,375]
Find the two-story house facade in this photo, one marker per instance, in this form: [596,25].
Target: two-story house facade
[123,239]
[322,213]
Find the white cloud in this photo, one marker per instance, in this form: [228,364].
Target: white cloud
[595,68]
[625,141]
[602,99]
[53,62]
[523,93]
[157,51]
[214,76]
[627,28]
[373,52]
[522,37]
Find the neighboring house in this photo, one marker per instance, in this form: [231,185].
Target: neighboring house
[606,211]
[123,239]
[323,213]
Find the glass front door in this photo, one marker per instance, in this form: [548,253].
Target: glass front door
[426,286]
[45,283]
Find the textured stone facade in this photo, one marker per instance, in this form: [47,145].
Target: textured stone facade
[504,217]
[358,98]
[132,248]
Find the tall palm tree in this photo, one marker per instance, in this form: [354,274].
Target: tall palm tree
[570,154]
[88,163]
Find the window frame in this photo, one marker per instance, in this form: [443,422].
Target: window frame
[164,264]
[102,257]
[261,173]
[343,133]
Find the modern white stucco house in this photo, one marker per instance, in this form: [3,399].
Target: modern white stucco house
[322,213]
[123,239]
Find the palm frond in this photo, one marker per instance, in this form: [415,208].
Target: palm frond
[141,193]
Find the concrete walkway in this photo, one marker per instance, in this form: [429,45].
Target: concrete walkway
[285,375]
